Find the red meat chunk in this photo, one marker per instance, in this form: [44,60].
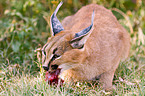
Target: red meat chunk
[52,78]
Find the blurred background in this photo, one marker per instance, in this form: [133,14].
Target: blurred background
[23,29]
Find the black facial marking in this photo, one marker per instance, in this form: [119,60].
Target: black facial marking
[53,58]
[44,52]
[54,50]
[54,66]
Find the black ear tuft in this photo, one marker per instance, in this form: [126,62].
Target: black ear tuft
[86,30]
[56,26]
[81,37]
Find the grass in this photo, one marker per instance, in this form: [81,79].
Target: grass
[23,30]
[129,80]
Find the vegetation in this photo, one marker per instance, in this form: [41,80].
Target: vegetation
[23,29]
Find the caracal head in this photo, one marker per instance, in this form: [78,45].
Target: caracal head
[64,49]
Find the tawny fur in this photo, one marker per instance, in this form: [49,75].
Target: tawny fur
[108,43]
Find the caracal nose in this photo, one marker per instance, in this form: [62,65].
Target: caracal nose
[45,68]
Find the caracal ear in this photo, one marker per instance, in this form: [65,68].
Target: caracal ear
[81,37]
[56,26]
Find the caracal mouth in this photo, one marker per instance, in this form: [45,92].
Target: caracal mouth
[52,77]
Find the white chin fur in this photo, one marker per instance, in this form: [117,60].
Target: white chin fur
[63,67]
[61,76]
